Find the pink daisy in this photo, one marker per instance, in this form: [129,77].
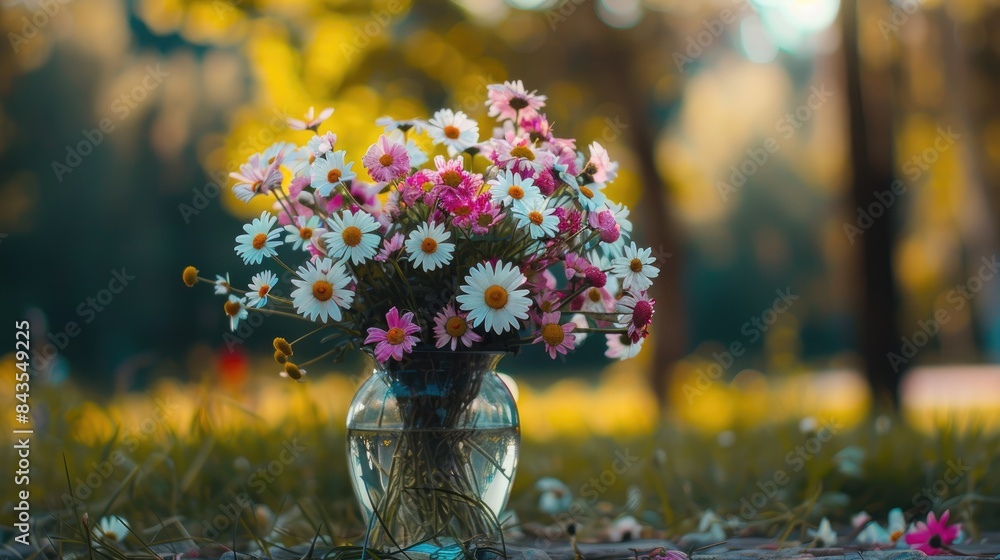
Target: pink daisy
[452,327]
[396,341]
[488,215]
[257,176]
[636,311]
[510,100]
[537,127]
[931,537]
[576,266]
[519,154]
[390,246]
[556,336]
[600,167]
[386,160]
[312,121]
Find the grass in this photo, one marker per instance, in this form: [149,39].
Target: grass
[202,466]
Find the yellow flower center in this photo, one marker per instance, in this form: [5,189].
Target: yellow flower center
[259,241]
[232,308]
[452,132]
[516,192]
[305,233]
[594,294]
[312,158]
[429,246]
[545,306]
[495,297]
[484,220]
[385,160]
[322,290]
[586,192]
[351,236]
[463,211]
[451,178]
[456,327]
[553,334]
[522,152]
[427,186]
[635,265]
[256,186]
[395,336]
[536,217]
[333,176]
[263,290]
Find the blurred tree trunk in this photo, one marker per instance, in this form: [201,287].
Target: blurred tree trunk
[869,99]
[653,211]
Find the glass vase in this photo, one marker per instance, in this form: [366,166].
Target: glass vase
[432,449]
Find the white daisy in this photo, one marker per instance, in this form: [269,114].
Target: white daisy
[329,171]
[350,236]
[453,129]
[491,296]
[222,285]
[321,290]
[635,268]
[112,528]
[302,231]
[591,196]
[540,220]
[509,189]
[260,286]
[428,248]
[259,240]
[235,310]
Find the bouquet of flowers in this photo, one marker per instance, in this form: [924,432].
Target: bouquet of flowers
[504,242]
[492,245]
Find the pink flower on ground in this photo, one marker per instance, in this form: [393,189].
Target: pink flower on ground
[556,336]
[386,160]
[390,246]
[636,311]
[452,327]
[510,100]
[931,537]
[396,341]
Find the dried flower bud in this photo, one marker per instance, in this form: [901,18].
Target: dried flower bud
[190,276]
[282,345]
[280,358]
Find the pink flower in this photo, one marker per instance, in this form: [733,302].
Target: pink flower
[575,265]
[396,341]
[519,154]
[556,336]
[419,186]
[596,277]
[636,311]
[510,100]
[451,326]
[545,182]
[487,215]
[569,220]
[390,246]
[386,160]
[257,176]
[606,224]
[537,126]
[931,537]
[600,167]
[311,121]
